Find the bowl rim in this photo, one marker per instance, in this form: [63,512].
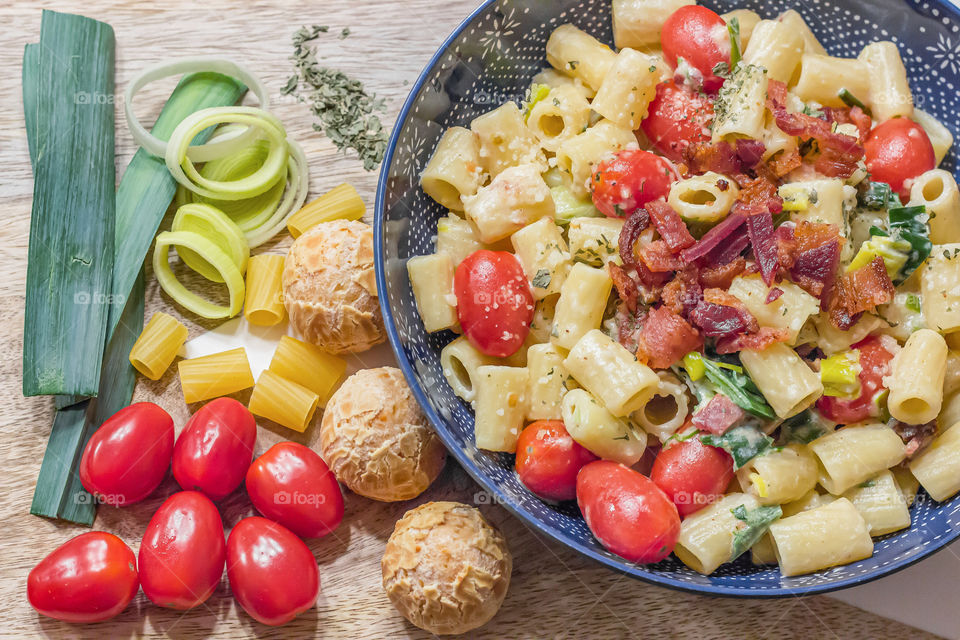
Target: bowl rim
[620,566]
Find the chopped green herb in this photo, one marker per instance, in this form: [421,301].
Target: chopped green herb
[757,522]
[738,386]
[803,428]
[743,443]
[733,28]
[913,303]
[542,279]
[853,101]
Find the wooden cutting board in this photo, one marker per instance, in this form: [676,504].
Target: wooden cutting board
[554,592]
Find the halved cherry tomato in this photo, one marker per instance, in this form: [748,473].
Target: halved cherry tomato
[676,118]
[494,302]
[183,551]
[897,151]
[692,474]
[90,578]
[874,365]
[128,456]
[627,512]
[629,180]
[699,36]
[214,450]
[292,485]
[273,575]
[548,460]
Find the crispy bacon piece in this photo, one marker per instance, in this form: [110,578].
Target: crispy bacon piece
[721,315]
[915,436]
[860,291]
[713,238]
[665,338]
[628,326]
[652,282]
[749,152]
[786,244]
[773,295]
[721,277]
[760,192]
[626,287]
[683,293]
[785,162]
[760,229]
[669,225]
[718,415]
[852,115]
[729,250]
[658,258]
[810,252]
[636,224]
[701,157]
[758,341]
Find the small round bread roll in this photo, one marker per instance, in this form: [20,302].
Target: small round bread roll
[329,287]
[377,441]
[445,568]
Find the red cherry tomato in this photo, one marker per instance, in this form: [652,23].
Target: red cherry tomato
[548,460]
[273,575]
[627,512]
[677,117]
[292,485]
[699,36]
[214,450]
[874,365]
[629,180]
[897,151]
[692,474]
[128,456]
[494,302]
[183,551]
[90,578]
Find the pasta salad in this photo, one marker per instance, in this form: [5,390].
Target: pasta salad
[707,284]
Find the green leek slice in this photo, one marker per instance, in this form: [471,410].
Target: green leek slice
[215,257]
[216,227]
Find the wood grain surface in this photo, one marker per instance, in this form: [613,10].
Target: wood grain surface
[554,592]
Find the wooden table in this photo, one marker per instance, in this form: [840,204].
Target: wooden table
[554,592]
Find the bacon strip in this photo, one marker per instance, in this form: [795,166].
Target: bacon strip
[636,224]
[785,162]
[860,291]
[760,229]
[626,287]
[712,238]
[760,192]
[721,277]
[701,157]
[758,341]
[665,338]
[658,257]
[683,293]
[811,253]
[669,225]
[733,245]
[718,415]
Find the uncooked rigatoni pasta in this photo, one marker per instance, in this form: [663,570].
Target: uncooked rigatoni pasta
[263,304]
[216,375]
[158,344]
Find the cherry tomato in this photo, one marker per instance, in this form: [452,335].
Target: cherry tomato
[897,151]
[699,36]
[874,365]
[692,474]
[548,460]
[128,456]
[629,180]
[214,450]
[273,575]
[292,485]
[627,512]
[183,551]
[90,578]
[677,117]
[494,302]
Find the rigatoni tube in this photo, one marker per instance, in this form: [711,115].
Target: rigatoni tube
[283,401]
[216,375]
[431,278]
[784,379]
[596,429]
[706,537]
[309,366]
[611,373]
[916,380]
[340,203]
[938,467]
[854,454]
[157,346]
[827,536]
[583,299]
[263,305]
[500,407]
[454,170]
[780,476]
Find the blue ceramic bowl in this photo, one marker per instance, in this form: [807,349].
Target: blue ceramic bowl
[490,59]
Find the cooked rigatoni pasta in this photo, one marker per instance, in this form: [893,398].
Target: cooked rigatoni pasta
[599,431]
[583,299]
[340,203]
[637,23]
[706,198]
[832,340]
[937,191]
[950,411]
[940,137]
[263,303]
[780,476]
[937,468]
[742,104]
[543,254]
[578,155]
[906,482]
[457,238]
[881,504]
[789,312]
[308,366]
[542,325]
[777,47]
[951,375]
[505,140]
[823,78]
[916,380]
[455,170]
[940,286]
[762,552]
[854,454]
[283,401]
[158,345]
[216,375]
[611,373]
[431,278]
[827,536]
[553,78]
[548,382]
[459,362]
[580,55]
[815,201]
[562,114]
[594,241]
[628,88]
[514,199]
[775,141]
[785,380]
[706,537]
[796,23]
[889,91]
[666,410]
[500,406]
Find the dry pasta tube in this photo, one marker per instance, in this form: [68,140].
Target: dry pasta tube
[264,302]
[340,203]
[916,381]
[827,536]
[157,346]
[216,375]
[283,401]
[308,366]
